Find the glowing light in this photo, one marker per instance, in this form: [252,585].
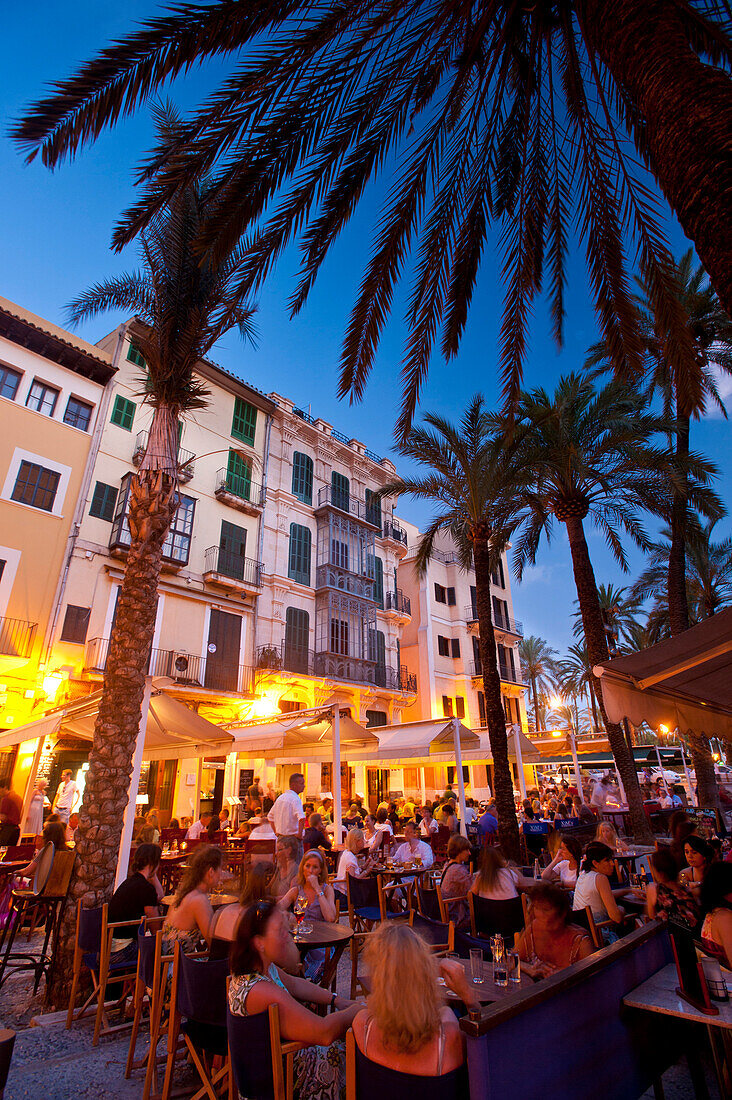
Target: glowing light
[51,683]
[264,706]
[29,694]
[662,728]
[556,733]
[716,757]
[556,701]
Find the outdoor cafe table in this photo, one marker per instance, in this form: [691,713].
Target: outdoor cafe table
[486,992]
[330,935]
[215,899]
[632,855]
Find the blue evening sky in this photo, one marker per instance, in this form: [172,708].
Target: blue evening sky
[54,242]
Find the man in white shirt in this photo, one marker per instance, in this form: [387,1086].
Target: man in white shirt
[470,814]
[198,828]
[413,847]
[287,815]
[601,792]
[67,797]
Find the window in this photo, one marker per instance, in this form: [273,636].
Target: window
[339,636]
[340,491]
[135,356]
[447,706]
[497,576]
[440,593]
[300,548]
[297,637]
[239,475]
[339,553]
[103,501]
[459,706]
[232,550]
[500,613]
[379,583]
[474,600]
[455,645]
[373,508]
[506,664]
[42,398]
[511,710]
[78,413]
[177,545]
[302,477]
[9,382]
[244,424]
[443,646]
[76,624]
[35,485]
[481,710]
[288,706]
[377,652]
[123,412]
[375,718]
[451,597]
[3,563]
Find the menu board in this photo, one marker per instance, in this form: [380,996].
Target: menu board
[246,778]
[709,821]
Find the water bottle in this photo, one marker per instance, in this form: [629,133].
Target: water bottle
[500,974]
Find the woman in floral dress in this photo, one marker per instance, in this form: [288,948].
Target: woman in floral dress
[263,952]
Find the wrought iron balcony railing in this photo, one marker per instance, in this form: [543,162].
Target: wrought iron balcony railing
[185,669]
[229,564]
[397,601]
[16,637]
[500,621]
[241,487]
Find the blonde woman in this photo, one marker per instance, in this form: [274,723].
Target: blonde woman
[313,899]
[406,1025]
[191,917]
[605,833]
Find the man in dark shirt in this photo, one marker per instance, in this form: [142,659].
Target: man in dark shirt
[137,897]
[11,805]
[315,835]
[488,823]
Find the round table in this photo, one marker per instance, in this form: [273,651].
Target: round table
[330,935]
[215,899]
[487,991]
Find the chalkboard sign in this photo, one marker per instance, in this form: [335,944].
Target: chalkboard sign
[709,821]
[246,778]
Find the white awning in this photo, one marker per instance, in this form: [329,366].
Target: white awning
[174,731]
[415,739]
[684,682]
[301,734]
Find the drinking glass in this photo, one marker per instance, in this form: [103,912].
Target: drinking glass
[305,928]
[476,965]
[500,976]
[513,966]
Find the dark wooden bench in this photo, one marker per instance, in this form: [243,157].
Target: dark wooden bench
[570,1034]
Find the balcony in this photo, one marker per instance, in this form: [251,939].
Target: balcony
[187,670]
[232,571]
[507,675]
[240,493]
[349,505]
[16,638]
[333,666]
[331,576]
[185,458]
[395,535]
[501,623]
[397,606]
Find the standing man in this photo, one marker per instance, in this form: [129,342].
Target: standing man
[11,807]
[287,815]
[67,797]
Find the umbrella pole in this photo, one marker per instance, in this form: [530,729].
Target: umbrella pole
[688,776]
[131,807]
[663,774]
[461,782]
[519,759]
[337,810]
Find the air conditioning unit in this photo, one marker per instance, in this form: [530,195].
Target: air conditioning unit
[182,668]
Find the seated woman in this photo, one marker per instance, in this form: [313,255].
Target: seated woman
[257,887]
[605,833]
[261,957]
[667,897]
[449,818]
[428,826]
[54,832]
[593,888]
[315,835]
[383,825]
[456,881]
[406,1025]
[495,880]
[373,839]
[313,899]
[348,863]
[699,857]
[190,918]
[680,826]
[565,866]
[716,905]
[550,941]
[287,860]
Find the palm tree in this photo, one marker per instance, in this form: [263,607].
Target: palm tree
[685,395]
[472,482]
[182,306]
[516,113]
[619,614]
[587,454]
[538,667]
[574,676]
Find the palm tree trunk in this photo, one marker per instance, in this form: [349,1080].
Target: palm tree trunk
[536,704]
[678,607]
[495,717]
[596,642]
[101,815]
[593,703]
[686,106]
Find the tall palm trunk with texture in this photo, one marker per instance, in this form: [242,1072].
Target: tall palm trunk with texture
[101,815]
[685,105]
[536,704]
[495,717]
[597,652]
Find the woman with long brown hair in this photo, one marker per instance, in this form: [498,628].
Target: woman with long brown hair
[190,918]
[495,880]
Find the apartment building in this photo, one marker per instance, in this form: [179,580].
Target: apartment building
[54,393]
[441,642]
[330,616]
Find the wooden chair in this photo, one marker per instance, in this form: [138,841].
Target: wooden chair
[439,936]
[584,919]
[93,949]
[150,985]
[257,1054]
[198,1016]
[488,917]
[49,889]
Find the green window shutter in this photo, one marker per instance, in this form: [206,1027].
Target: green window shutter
[340,491]
[103,501]
[244,424]
[239,475]
[123,412]
[302,477]
[380,649]
[379,584]
[135,356]
[373,508]
[300,549]
[297,637]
